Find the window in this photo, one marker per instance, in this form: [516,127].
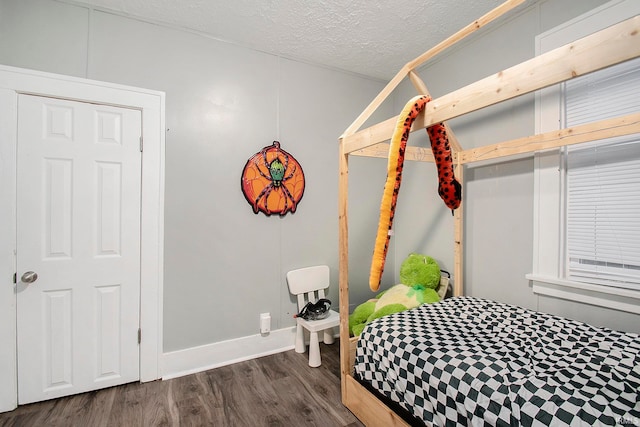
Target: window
[587,197]
[602,185]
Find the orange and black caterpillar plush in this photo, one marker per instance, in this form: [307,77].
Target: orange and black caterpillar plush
[449,188]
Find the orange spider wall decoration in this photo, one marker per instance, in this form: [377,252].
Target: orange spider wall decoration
[273,181]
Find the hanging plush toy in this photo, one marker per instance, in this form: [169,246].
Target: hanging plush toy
[449,188]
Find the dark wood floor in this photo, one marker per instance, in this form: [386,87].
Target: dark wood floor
[277,390]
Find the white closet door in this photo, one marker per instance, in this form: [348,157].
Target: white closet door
[78,229]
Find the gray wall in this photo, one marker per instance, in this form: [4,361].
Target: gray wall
[223,264]
[498,197]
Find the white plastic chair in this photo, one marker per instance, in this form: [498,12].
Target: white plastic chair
[309,284]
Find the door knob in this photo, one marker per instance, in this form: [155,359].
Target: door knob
[29,277]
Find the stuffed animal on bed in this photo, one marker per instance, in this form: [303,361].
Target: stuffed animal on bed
[419,281]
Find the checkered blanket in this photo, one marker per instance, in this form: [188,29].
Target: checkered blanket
[469,361]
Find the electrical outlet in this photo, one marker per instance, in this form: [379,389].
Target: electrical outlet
[265,323]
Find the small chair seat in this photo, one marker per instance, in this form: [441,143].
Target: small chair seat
[309,284]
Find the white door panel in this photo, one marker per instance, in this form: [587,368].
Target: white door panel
[78,228]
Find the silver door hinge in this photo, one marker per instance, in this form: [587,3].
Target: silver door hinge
[139,335]
[141,144]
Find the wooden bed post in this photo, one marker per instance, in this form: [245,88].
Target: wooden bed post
[343,253]
[458,228]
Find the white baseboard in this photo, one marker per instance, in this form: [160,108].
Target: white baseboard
[197,359]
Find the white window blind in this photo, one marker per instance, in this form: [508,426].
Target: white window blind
[603,182]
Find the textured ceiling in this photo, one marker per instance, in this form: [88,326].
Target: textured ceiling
[373,38]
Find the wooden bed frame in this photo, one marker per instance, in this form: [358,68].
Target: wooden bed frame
[603,49]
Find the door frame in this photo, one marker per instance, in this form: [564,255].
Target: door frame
[15,81]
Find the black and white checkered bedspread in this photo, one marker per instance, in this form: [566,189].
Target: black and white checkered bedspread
[469,361]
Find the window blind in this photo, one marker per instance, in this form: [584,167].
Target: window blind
[603,182]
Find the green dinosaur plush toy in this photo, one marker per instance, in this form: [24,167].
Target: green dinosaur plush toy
[419,280]
[420,270]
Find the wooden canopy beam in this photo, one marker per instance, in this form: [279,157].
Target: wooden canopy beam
[613,45]
[412,65]
[609,128]
[381,150]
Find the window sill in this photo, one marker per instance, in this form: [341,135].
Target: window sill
[602,296]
